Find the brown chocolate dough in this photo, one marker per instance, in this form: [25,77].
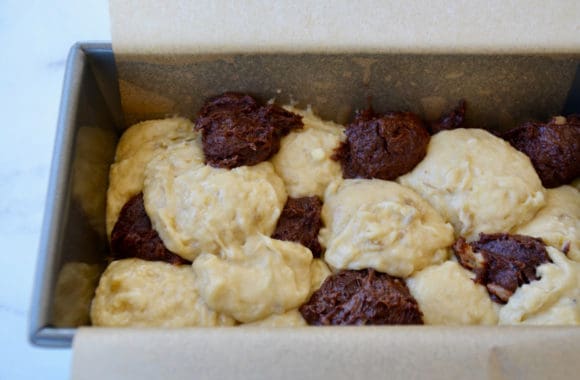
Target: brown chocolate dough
[502,262]
[453,120]
[133,236]
[554,149]
[362,297]
[300,222]
[238,131]
[382,146]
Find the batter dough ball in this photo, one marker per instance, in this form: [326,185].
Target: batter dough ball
[447,295]
[551,300]
[140,293]
[554,148]
[384,147]
[477,181]
[238,131]
[265,276]
[304,161]
[291,318]
[558,223]
[198,208]
[138,145]
[300,222]
[133,236]
[382,225]
[502,262]
[362,298]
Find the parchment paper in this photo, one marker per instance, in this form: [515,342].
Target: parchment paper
[340,56]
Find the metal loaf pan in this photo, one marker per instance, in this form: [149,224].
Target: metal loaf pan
[501,91]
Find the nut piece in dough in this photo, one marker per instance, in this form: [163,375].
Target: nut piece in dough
[447,295]
[382,225]
[385,146]
[551,300]
[304,161]
[362,297]
[137,146]
[199,208]
[558,223]
[265,276]
[291,318]
[477,181]
[135,292]
[238,131]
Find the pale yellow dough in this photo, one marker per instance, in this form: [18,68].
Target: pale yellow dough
[558,223]
[263,277]
[135,292]
[551,300]
[304,160]
[447,295]
[138,145]
[382,225]
[477,181]
[291,318]
[198,208]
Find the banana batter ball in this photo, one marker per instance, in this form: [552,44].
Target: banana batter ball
[383,147]
[238,131]
[362,297]
[265,276]
[447,295]
[197,208]
[305,161]
[551,300]
[137,146]
[477,181]
[133,236]
[291,318]
[502,262]
[382,225]
[558,223]
[554,148]
[140,293]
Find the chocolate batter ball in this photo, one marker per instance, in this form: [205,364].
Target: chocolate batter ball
[383,147]
[362,297]
[238,131]
[453,120]
[300,222]
[554,148]
[502,262]
[133,236]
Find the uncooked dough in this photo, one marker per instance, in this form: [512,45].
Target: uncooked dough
[382,225]
[138,145]
[477,181]
[558,223]
[198,208]
[447,295]
[265,276]
[551,300]
[304,161]
[134,292]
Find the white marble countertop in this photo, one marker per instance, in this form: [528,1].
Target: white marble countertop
[35,37]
